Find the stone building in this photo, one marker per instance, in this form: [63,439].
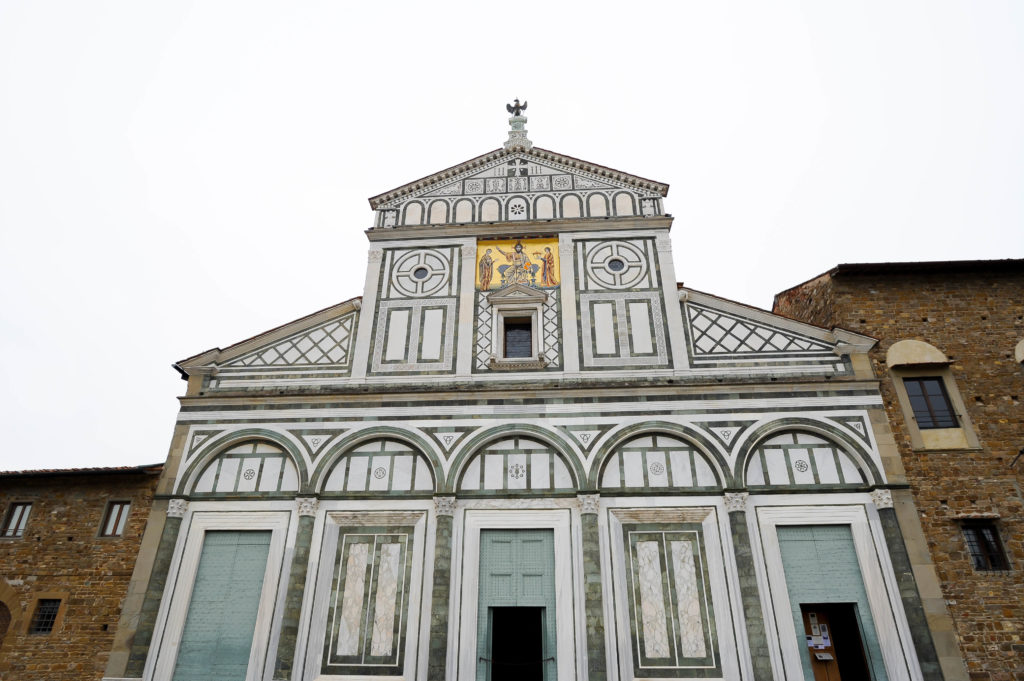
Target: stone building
[951,344]
[68,545]
[525,452]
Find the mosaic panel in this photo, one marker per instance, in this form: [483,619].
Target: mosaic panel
[381,467]
[533,262]
[516,464]
[797,458]
[249,468]
[367,618]
[672,622]
[653,462]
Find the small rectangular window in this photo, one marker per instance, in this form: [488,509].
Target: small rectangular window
[45,616]
[518,337]
[984,545]
[114,520]
[17,517]
[930,402]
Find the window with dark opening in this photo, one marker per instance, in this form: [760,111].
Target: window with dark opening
[45,616]
[984,545]
[518,337]
[930,402]
[113,522]
[17,517]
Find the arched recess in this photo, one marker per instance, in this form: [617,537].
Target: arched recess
[355,441]
[697,465]
[624,204]
[524,445]
[803,453]
[380,467]
[597,206]
[438,213]
[274,446]
[572,207]
[490,210]
[9,601]
[544,208]
[464,211]
[413,213]
[517,208]
[5,622]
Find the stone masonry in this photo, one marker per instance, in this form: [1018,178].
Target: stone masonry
[973,311]
[61,555]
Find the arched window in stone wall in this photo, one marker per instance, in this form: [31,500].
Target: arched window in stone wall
[383,466]
[650,462]
[253,467]
[801,459]
[5,622]
[517,464]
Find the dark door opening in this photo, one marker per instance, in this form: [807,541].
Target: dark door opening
[517,644]
[834,642]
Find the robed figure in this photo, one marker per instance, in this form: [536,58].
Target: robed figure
[547,273]
[486,270]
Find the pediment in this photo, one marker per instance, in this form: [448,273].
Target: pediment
[517,293]
[523,175]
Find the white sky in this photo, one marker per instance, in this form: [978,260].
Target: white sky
[176,176]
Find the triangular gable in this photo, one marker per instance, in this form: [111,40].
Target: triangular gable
[517,293]
[720,332]
[537,179]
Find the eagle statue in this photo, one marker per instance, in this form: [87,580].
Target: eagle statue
[516,109]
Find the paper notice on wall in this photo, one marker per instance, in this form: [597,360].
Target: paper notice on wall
[824,636]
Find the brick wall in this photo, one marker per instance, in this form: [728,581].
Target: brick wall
[61,555]
[976,317]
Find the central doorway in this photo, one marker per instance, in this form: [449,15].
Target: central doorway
[516,607]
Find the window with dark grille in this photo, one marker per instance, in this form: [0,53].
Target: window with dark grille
[518,337]
[114,520]
[983,543]
[930,402]
[17,517]
[45,616]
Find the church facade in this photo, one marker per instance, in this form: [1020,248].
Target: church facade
[525,452]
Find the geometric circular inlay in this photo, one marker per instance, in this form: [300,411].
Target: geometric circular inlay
[615,265]
[517,470]
[421,273]
[801,466]
[249,474]
[657,468]
[379,472]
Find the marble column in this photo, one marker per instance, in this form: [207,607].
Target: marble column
[441,591]
[593,601]
[176,509]
[912,606]
[736,505]
[306,508]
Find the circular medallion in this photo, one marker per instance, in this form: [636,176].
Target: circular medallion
[801,466]
[249,474]
[615,265]
[657,468]
[517,470]
[420,273]
[379,472]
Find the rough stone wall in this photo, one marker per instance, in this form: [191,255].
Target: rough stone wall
[976,319]
[812,302]
[61,555]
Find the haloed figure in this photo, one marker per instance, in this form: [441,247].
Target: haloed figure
[486,270]
[547,275]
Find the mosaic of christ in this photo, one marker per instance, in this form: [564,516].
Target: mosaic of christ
[533,262]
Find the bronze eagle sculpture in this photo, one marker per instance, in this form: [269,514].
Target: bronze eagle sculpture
[516,109]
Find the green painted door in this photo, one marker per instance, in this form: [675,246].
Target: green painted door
[821,566]
[221,618]
[517,570]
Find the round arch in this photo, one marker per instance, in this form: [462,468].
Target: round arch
[346,444]
[479,441]
[764,432]
[10,599]
[703,444]
[191,475]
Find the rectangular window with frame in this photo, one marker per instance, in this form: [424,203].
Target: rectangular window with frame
[17,518]
[930,402]
[984,545]
[45,616]
[518,337]
[115,518]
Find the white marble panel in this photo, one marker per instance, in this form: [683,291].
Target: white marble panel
[398,331]
[705,475]
[380,467]
[611,476]
[271,473]
[633,469]
[604,328]
[357,473]
[517,471]
[540,474]
[205,482]
[389,446]
[401,476]
[228,471]
[471,478]
[386,601]
[640,328]
[352,606]
[657,471]
[337,477]
[433,323]
[755,474]
[682,476]
[805,476]
[562,478]
[826,462]
[494,471]
[691,625]
[248,464]
[778,473]
[424,481]
[652,600]
[850,472]
[290,478]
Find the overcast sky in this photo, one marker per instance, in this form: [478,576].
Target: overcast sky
[176,176]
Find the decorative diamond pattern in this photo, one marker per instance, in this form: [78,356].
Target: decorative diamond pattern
[551,338]
[716,333]
[483,331]
[325,344]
